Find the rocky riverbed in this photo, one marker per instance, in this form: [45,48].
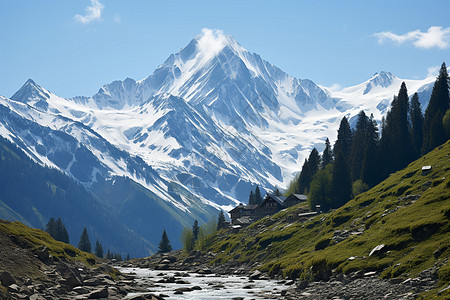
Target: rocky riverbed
[186,277]
[176,276]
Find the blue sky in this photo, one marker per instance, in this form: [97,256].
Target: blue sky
[74,47]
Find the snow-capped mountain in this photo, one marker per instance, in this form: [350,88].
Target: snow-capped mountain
[203,129]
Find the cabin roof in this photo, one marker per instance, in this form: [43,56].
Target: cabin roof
[299,197]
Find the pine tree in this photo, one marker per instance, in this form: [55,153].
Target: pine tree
[51,227]
[327,155]
[164,244]
[108,255]
[128,257]
[84,244]
[396,139]
[221,220]
[314,161]
[310,167]
[57,230]
[61,232]
[195,231]
[371,170]
[359,141]
[258,197]
[303,181]
[341,180]
[251,198]
[434,133]
[344,139]
[98,249]
[416,118]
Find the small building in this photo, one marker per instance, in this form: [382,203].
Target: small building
[243,214]
[294,199]
[270,205]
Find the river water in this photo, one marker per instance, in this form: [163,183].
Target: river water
[212,286]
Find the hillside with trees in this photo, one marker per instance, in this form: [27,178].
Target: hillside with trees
[362,157]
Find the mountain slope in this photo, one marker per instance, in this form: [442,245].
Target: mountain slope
[35,194]
[408,214]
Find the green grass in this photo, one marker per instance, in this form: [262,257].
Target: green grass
[408,212]
[32,239]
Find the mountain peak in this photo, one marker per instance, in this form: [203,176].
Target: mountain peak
[382,79]
[30,91]
[213,41]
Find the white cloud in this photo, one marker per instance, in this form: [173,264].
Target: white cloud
[93,13]
[435,36]
[433,71]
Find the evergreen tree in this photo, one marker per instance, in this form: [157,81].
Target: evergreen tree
[221,220]
[396,138]
[341,180]
[314,162]
[57,230]
[251,198]
[371,170]
[51,227]
[195,231]
[344,139]
[327,155]
[128,257]
[303,181]
[108,255]
[434,133]
[416,118]
[258,197]
[98,249]
[359,142]
[84,244]
[164,244]
[310,167]
[61,232]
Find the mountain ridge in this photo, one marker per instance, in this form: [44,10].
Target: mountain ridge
[207,126]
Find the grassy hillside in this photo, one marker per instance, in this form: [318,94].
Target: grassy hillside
[409,213]
[19,245]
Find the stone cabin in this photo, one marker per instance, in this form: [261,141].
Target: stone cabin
[243,214]
[271,204]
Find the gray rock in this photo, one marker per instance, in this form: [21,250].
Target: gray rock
[6,279]
[302,284]
[42,253]
[378,250]
[80,290]
[100,293]
[255,275]
[13,288]
[184,289]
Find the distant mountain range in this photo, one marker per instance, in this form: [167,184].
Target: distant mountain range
[200,132]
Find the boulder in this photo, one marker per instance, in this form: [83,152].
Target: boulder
[99,293]
[42,253]
[255,275]
[6,279]
[13,288]
[378,250]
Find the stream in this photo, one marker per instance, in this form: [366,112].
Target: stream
[203,287]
